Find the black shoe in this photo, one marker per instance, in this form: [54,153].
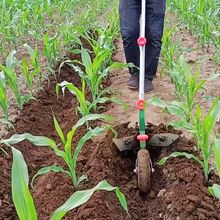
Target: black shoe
[133,82]
[148,86]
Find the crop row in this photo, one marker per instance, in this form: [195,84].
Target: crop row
[93,67]
[187,108]
[41,32]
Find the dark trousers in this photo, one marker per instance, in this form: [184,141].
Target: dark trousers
[130,11]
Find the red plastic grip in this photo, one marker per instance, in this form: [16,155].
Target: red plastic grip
[140,104]
[142,41]
[142,137]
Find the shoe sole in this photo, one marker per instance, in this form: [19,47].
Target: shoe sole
[132,87]
[149,92]
[135,88]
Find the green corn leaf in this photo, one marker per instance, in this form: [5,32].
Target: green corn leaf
[8,123]
[81,197]
[59,130]
[157,102]
[214,77]
[215,190]
[3,99]
[87,62]
[174,108]
[35,140]
[81,96]
[12,81]
[21,195]
[81,179]
[217,154]
[99,60]
[183,124]
[11,60]
[45,170]
[83,120]
[180,154]
[96,131]
[212,116]
[118,65]
[92,117]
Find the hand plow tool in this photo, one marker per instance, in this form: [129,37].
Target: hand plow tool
[143,162]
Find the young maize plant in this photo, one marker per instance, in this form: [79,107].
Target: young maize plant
[51,50]
[3,96]
[169,48]
[66,154]
[215,189]
[202,17]
[96,40]
[203,131]
[94,74]
[85,106]
[187,86]
[28,76]
[24,202]
[12,80]
[34,58]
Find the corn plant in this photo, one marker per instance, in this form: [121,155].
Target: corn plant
[36,71]
[24,202]
[203,131]
[3,96]
[66,154]
[84,106]
[94,74]
[202,17]
[169,48]
[187,87]
[215,189]
[12,80]
[21,195]
[51,50]
[28,76]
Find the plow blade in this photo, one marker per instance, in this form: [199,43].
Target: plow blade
[157,140]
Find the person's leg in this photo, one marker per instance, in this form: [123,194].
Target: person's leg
[129,11]
[154,32]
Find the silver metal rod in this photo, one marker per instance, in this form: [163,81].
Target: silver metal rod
[142,50]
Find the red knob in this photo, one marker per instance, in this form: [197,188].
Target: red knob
[140,104]
[142,41]
[142,137]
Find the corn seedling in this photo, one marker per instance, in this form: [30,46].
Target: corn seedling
[215,189]
[3,96]
[203,131]
[94,73]
[51,50]
[84,106]
[187,87]
[217,153]
[12,80]
[169,48]
[84,195]
[66,154]
[21,195]
[99,40]
[28,76]
[202,17]
[24,202]
[36,71]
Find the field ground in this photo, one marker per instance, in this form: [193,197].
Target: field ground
[179,191]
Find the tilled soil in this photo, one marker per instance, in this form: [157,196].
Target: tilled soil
[179,190]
